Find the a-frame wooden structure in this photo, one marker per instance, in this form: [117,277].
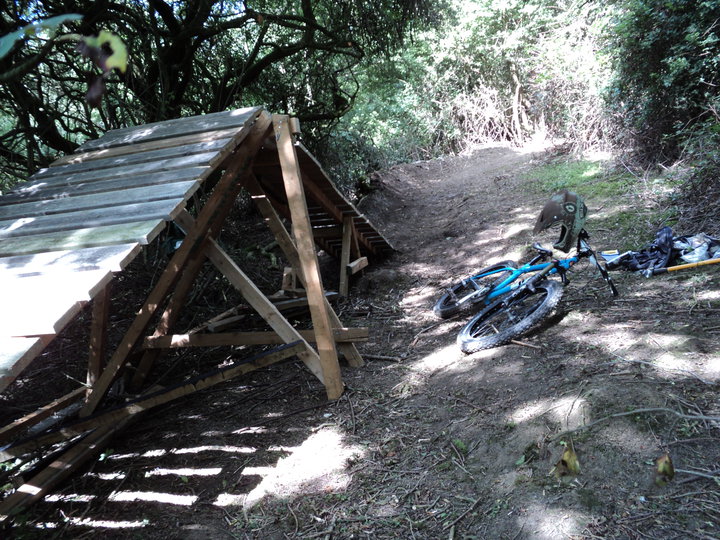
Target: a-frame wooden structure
[71,226]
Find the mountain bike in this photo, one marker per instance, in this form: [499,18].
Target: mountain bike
[514,299]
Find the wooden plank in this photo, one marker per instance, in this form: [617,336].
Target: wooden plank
[29,420]
[153,399]
[181,140]
[212,215]
[175,190]
[287,245]
[103,185]
[98,334]
[86,219]
[112,258]
[172,128]
[345,256]
[45,304]
[245,338]
[357,265]
[263,306]
[100,166]
[57,471]
[16,353]
[143,233]
[302,230]
[206,159]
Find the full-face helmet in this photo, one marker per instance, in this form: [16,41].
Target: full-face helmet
[569,211]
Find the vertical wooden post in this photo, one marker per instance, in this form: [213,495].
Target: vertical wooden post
[345,255]
[288,247]
[302,230]
[211,218]
[98,335]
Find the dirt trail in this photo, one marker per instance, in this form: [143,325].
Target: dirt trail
[430,443]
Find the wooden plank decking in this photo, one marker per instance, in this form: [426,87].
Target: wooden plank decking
[65,231]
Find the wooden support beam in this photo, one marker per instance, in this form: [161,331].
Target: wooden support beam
[345,255]
[172,312]
[27,421]
[58,470]
[302,230]
[211,218]
[287,245]
[98,334]
[265,308]
[357,265]
[245,338]
[153,399]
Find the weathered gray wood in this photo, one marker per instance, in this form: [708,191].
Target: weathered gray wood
[112,258]
[170,128]
[41,414]
[206,159]
[175,190]
[85,219]
[142,233]
[100,185]
[128,160]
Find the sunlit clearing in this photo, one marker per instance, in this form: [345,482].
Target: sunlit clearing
[150,496]
[70,497]
[708,295]
[229,499]
[514,230]
[316,466]
[106,523]
[529,411]
[438,359]
[107,476]
[544,523]
[215,448]
[184,472]
[671,362]
[570,412]
[424,297]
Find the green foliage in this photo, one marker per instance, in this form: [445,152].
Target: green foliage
[666,59]
[496,71]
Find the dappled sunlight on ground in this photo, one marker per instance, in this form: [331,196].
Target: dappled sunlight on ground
[316,466]
[568,412]
[543,522]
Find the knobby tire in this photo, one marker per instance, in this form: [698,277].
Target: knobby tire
[501,322]
[447,306]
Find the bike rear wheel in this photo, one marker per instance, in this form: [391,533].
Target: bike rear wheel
[503,321]
[448,304]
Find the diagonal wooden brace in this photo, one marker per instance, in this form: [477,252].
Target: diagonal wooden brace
[210,219]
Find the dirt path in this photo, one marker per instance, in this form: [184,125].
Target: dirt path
[428,442]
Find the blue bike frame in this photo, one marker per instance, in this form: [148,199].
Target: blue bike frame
[510,283]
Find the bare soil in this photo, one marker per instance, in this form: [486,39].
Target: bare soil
[428,442]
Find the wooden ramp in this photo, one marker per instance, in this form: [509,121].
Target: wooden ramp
[72,226]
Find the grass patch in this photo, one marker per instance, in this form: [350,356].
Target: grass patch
[589,178]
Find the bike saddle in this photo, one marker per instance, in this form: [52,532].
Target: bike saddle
[541,249]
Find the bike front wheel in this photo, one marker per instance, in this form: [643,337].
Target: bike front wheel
[448,304]
[503,321]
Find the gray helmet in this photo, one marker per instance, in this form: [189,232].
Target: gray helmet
[568,209]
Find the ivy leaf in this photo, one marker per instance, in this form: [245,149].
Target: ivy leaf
[664,470]
[106,50]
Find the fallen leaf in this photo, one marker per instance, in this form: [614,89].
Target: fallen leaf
[664,470]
